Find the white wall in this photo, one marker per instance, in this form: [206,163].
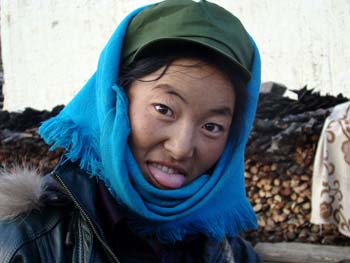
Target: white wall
[51,47]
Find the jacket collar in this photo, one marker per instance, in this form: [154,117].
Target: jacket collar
[80,187]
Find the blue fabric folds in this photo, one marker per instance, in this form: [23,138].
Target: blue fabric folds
[94,128]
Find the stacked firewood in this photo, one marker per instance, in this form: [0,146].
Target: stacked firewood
[26,149]
[279,161]
[20,143]
[279,164]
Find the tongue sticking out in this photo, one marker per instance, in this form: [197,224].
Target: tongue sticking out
[167,180]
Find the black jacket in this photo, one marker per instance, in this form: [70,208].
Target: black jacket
[66,227]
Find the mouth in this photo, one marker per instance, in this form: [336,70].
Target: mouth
[166,176]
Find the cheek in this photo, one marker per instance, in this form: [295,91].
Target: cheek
[139,128]
[143,129]
[210,153]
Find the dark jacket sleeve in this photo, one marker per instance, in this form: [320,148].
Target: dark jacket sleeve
[243,251]
[36,237]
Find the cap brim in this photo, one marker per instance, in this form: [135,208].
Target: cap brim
[204,42]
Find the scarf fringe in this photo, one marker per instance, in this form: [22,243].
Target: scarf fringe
[218,227]
[63,133]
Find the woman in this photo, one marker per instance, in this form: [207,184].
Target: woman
[153,169]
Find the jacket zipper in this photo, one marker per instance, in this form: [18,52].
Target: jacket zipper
[105,246]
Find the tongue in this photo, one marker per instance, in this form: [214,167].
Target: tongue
[167,180]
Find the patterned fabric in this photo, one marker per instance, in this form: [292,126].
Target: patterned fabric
[331,176]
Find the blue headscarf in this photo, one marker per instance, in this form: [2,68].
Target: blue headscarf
[94,128]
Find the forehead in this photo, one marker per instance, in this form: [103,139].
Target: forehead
[191,67]
[200,82]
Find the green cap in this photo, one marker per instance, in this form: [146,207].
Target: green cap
[202,23]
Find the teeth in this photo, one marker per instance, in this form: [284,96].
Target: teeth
[166,169]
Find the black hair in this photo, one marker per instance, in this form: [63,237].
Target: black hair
[159,56]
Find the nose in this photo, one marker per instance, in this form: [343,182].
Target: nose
[180,142]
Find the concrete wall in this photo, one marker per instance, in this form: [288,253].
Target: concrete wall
[51,47]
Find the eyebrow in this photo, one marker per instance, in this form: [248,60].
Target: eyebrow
[224,110]
[169,90]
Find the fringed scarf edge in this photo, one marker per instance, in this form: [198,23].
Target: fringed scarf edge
[216,227]
[61,132]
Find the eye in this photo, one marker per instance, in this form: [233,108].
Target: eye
[213,127]
[164,110]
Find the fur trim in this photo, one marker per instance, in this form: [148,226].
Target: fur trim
[20,191]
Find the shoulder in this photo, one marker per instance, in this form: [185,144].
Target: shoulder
[20,192]
[23,190]
[26,215]
[243,250]
[23,235]
[234,249]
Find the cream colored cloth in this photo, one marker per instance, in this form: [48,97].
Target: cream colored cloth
[331,175]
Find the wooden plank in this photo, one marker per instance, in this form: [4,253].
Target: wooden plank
[301,253]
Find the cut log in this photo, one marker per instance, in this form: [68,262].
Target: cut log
[301,253]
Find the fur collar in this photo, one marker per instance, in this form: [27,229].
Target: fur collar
[21,191]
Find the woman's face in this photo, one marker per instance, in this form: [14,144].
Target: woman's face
[180,122]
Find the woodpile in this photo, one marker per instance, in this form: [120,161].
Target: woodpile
[26,149]
[279,159]
[279,164]
[20,143]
